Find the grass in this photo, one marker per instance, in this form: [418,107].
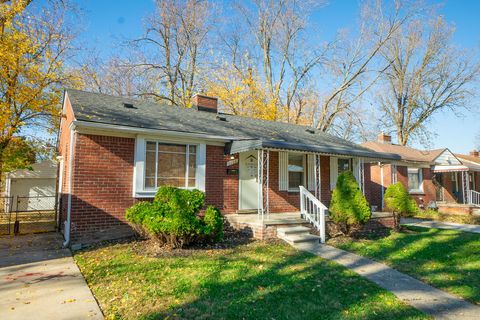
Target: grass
[257,280]
[448,260]
[440,216]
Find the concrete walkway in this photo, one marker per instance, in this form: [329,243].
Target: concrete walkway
[421,296]
[40,280]
[440,225]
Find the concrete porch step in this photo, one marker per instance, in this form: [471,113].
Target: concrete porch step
[295,234]
[300,238]
[292,230]
[247,211]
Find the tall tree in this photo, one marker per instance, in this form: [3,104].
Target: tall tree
[428,75]
[112,75]
[33,43]
[270,40]
[173,49]
[353,65]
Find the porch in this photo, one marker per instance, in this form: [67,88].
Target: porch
[457,188]
[292,226]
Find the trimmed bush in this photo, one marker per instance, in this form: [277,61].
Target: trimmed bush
[348,207]
[213,223]
[172,218]
[399,202]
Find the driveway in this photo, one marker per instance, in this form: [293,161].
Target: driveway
[40,280]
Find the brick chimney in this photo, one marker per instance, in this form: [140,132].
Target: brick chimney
[475,153]
[384,138]
[205,103]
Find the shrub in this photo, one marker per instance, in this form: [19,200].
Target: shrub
[172,217]
[399,202]
[213,223]
[348,206]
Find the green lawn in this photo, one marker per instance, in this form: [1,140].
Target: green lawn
[251,281]
[448,260]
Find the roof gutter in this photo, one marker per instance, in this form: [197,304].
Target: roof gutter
[252,144]
[138,130]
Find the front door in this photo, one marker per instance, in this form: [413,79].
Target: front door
[248,182]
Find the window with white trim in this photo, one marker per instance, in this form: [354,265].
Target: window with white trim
[394,174]
[344,164]
[415,180]
[170,164]
[296,171]
[454,178]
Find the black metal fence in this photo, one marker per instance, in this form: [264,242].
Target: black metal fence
[27,214]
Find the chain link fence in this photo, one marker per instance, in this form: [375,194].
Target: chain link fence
[27,214]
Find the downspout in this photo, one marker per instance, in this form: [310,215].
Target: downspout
[8,203]
[382,183]
[68,222]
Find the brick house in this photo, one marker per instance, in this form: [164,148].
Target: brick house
[115,151]
[436,178]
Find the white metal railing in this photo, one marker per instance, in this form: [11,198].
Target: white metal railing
[313,210]
[474,197]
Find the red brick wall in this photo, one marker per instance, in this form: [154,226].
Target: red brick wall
[448,185]
[325,180]
[102,187]
[374,185]
[429,192]
[280,201]
[285,201]
[402,175]
[373,182]
[221,189]
[64,151]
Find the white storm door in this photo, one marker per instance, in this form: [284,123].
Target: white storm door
[248,182]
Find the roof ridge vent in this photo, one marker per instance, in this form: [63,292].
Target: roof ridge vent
[129,105]
[221,117]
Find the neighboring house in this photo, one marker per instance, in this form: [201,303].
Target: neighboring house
[433,177]
[116,151]
[472,162]
[32,189]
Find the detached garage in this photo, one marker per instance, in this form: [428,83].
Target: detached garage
[33,190]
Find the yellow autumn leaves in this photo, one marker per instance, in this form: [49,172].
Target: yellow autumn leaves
[31,53]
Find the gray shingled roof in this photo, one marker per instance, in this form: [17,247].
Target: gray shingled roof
[244,132]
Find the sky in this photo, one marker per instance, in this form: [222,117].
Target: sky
[105,22]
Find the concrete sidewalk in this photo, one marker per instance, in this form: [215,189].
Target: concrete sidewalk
[40,280]
[440,225]
[432,301]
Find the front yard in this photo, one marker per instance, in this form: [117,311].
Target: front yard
[448,260]
[256,280]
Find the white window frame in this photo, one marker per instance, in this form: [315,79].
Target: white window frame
[420,180]
[334,169]
[139,190]
[187,162]
[304,164]
[454,179]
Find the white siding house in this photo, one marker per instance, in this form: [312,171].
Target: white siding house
[32,190]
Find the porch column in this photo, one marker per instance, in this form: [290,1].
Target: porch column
[465,187]
[361,174]
[263,181]
[317,172]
